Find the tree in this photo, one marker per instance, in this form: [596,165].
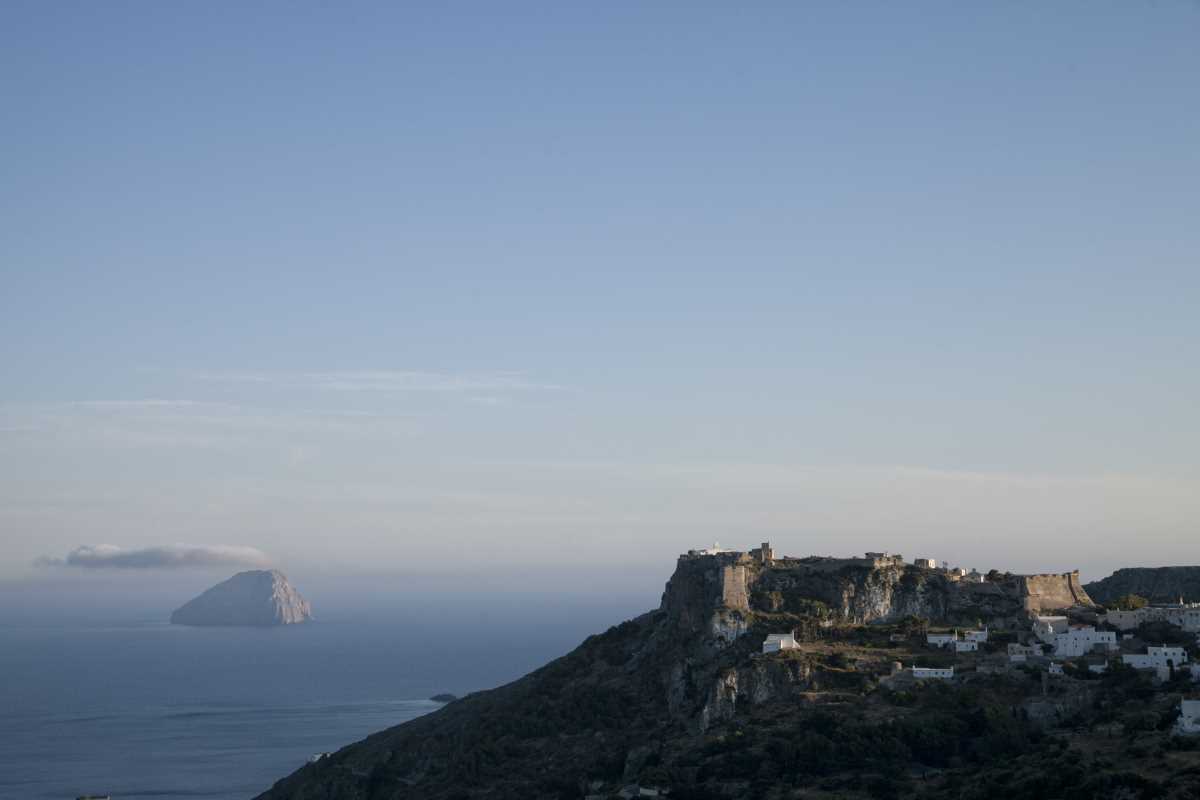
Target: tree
[1130,602]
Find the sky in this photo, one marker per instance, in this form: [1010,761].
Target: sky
[565,289]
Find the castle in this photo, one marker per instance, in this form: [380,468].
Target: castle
[741,573]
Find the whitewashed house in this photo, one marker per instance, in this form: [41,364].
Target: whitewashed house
[1020,653]
[1185,616]
[1127,620]
[976,636]
[1189,716]
[1157,657]
[965,646]
[1046,628]
[1181,615]
[1081,640]
[776,642]
[931,673]
[941,639]
[1056,668]
[926,563]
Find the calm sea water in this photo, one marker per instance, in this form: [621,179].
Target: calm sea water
[149,710]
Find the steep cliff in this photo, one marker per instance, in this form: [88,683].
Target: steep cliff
[849,592]
[1156,584]
[858,591]
[254,598]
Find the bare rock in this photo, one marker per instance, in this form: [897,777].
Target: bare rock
[255,598]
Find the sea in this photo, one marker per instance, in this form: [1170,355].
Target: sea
[139,708]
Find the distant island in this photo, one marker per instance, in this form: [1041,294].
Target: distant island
[771,678]
[444,698]
[257,598]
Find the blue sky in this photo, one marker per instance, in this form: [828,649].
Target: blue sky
[349,284]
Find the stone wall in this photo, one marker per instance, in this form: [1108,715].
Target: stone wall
[733,588]
[1053,592]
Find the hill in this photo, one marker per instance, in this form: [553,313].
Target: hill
[681,698]
[1156,584]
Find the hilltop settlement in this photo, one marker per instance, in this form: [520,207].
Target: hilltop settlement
[767,676]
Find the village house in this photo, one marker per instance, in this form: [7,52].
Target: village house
[976,636]
[776,642]
[1082,639]
[1046,628]
[1157,657]
[1181,615]
[941,639]
[1189,716]
[1056,668]
[974,576]
[966,646]
[1020,653]
[931,673]
[926,563]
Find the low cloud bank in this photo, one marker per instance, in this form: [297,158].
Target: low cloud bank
[174,556]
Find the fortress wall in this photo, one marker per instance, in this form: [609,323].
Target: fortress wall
[1051,592]
[734,593]
[1080,594]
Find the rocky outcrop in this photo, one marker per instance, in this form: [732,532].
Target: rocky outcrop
[719,593]
[256,598]
[1156,584]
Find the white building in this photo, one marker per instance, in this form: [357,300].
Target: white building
[928,673]
[974,576]
[1181,615]
[1046,628]
[1020,653]
[1056,668]
[1081,640]
[926,563]
[779,641]
[941,639]
[966,646]
[976,636]
[1189,716]
[1157,657]
[715,550]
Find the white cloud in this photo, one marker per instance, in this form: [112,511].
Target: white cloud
[174,556]
[386,380]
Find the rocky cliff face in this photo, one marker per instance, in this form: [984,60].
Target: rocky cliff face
[1156,584]
[719,593]
[254,598]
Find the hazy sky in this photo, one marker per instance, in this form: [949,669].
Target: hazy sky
[401,287]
